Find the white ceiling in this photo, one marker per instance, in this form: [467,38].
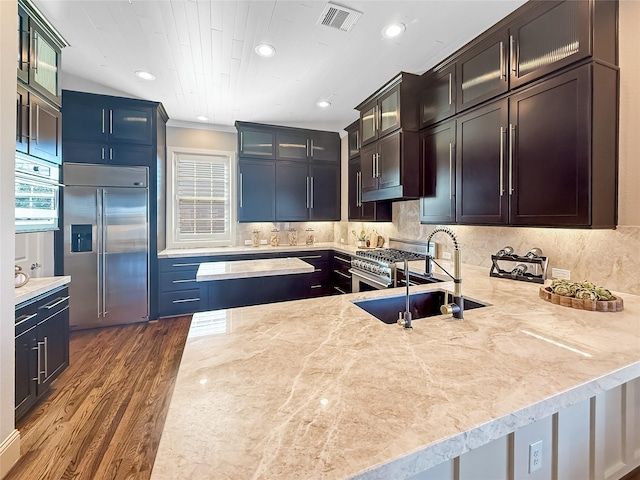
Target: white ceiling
[202,52]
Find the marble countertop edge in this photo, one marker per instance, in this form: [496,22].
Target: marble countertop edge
[38,286]
[431,455]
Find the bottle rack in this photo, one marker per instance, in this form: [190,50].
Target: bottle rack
[498,272]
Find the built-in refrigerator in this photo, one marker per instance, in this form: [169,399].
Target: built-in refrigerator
[106,244]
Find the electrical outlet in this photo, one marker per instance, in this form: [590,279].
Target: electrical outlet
[535,456]
[341,240]
[561,274]
[446,255]
[263,241]
[247,242]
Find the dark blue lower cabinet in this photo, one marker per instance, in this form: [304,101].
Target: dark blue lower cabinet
[242,292]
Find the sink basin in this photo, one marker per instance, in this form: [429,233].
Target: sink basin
[422,305]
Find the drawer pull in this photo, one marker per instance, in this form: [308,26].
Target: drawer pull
[339,290]
[189,280]
[342,259]
[185,265]
[342,274]
[312,256]
[51,305]
[25,318]
[316,286]
[186,300]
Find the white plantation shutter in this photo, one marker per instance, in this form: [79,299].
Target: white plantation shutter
[202,198]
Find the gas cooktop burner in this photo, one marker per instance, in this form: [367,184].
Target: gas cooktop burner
[389,255]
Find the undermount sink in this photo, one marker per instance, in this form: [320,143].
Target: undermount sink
[422,305]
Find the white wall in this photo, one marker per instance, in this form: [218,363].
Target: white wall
[8,46]
[35,249]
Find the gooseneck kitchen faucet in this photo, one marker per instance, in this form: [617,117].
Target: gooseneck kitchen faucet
[457,307]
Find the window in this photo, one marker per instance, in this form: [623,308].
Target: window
[201,198]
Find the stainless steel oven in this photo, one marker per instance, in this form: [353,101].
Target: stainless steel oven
[376,269]
[37,195]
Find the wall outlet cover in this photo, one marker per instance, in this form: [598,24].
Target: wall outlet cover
[561,274]
[535,456]
[446,255]
[247,242]
[263,241]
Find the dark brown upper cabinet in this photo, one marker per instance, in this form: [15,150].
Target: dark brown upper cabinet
[438,205]
[563,150]
[353,139]
[38,126]
[389,153]
[392,107]
[482,71]
[481,165]
[438,96]
[553,35]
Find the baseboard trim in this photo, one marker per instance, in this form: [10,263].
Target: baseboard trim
[9,452]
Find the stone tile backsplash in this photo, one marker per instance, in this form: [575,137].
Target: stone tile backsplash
[607,257]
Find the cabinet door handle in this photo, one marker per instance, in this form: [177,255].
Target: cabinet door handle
[35,50]
[307,192]
[311,148]
[373,166]
[312,194]
[51,305]
[103,120]
[512,129]
[503,74]
[307,147]
[512,53]
[46,354]
[450,89]
[240,189]
[450,170]
[37,347]
[501,161]
[102,151]
[110,153]
[110,122]
[33,126]
[358,180]
[241,142]
[104,252]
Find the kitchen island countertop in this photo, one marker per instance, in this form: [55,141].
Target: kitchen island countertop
[320,389]
[252,268]
[244,249]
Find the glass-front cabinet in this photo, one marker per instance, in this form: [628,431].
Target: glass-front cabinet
[39,53]
[255,142]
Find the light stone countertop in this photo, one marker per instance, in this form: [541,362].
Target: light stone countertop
[251,268]
[38,286]
[198,252]
[319,389]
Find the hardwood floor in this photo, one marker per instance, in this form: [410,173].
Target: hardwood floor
[104,415]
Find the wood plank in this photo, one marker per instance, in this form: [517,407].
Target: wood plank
[104,415]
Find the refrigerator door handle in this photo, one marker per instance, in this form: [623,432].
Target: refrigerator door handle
[103,281]
[99,248]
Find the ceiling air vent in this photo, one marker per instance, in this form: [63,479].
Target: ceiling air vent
[339,17]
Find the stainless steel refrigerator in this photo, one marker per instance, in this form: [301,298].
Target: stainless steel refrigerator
[106,244]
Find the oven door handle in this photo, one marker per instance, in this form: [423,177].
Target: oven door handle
[366,277]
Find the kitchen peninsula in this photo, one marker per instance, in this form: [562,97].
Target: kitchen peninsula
[251,269]
[318,388]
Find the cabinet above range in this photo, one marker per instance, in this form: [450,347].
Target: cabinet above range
[389,150]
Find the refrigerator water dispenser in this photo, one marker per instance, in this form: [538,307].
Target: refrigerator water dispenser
[81,238]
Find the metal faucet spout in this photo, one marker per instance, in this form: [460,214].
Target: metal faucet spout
[457,307]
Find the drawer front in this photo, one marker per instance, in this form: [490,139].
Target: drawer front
[182,302]
[181,264]
[313,258]
[178,280]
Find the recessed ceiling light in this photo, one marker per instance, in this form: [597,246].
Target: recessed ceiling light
[145,75]
[393,30]
[265,50]
[202,118]
[323,104]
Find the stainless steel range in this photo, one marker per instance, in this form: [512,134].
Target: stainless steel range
[377,268]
